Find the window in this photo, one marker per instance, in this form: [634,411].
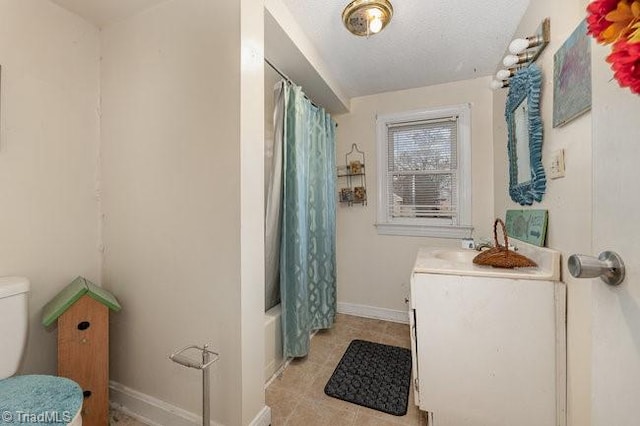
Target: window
[424,173]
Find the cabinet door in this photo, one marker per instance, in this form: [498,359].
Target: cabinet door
[486,350]
[414,357]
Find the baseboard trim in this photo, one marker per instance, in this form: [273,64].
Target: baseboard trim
[150,410]
[374,312]
[263,418]
[278,372]
[155,412]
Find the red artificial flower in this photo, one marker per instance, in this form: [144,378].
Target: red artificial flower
[596,22]
[625,63]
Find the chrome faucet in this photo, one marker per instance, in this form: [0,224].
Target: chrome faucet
[481,246]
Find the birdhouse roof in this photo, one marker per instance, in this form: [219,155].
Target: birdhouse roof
[70,295]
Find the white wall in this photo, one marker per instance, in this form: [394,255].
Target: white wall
[568,199]
[252,281]
[171,179]
[48,154]
[374,270]
[176,162]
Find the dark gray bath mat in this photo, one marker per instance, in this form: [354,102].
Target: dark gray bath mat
[373,375]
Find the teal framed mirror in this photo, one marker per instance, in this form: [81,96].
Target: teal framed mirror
[527,180]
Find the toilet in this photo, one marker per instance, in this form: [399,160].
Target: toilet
[30,399]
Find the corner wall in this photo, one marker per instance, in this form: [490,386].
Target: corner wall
[172,178]
[568,199]
[49,137]
[252,277]
[374,270]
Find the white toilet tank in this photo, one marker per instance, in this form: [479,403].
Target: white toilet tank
[13,323]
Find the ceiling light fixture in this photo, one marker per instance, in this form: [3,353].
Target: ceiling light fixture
[367,17]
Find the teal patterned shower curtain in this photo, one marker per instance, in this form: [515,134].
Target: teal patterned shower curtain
[308,246]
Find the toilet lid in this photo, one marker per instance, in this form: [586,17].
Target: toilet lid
[39,400]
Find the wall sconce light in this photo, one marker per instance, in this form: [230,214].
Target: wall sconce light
[519,45]
[502,78]
[512,60]
[524,51]
[506,74]
[367,17]
[499,84]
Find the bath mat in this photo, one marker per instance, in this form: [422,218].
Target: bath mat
[373,375]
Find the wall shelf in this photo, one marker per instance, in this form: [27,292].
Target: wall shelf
[352,179]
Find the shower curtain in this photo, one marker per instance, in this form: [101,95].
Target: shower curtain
[273,202]
[308,241]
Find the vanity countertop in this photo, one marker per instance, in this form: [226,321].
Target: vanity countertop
[447,261]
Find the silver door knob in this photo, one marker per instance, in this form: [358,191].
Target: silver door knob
[608,266]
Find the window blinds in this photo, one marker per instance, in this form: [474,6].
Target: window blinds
[422,169]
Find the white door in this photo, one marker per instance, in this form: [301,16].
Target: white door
[616,226]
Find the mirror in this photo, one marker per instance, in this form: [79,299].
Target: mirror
[520,120]
[527,181]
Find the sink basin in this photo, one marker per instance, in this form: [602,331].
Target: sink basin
[456,256]
[460,262]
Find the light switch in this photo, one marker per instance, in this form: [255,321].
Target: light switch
[556,165]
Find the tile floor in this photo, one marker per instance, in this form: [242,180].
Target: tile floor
[116,418]
[296,396]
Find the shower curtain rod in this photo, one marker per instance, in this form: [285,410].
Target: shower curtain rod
[276,69]
[286,77]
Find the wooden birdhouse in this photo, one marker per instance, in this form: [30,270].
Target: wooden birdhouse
[82,311]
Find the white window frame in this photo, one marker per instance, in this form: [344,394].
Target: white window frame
[427,227]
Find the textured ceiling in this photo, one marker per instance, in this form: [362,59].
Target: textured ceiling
[427,42]
[101,12]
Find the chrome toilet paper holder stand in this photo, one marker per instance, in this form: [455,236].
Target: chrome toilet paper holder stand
[199,358]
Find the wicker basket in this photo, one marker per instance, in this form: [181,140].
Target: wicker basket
[500,256]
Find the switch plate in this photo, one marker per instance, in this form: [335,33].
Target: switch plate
[556,165]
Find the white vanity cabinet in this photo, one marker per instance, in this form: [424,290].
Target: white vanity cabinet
[488,350]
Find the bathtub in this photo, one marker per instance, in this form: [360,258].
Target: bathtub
[273,359]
